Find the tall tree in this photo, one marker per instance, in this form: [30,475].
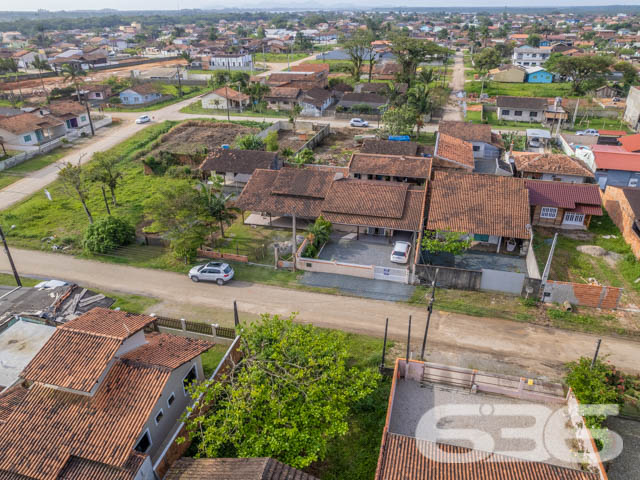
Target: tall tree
[294,113]
[41,65]
[410,52]
[584,72]
[74,75]
[288,396]
[419,99]
[75,183]
[216,203]
[105,169]
[357,47]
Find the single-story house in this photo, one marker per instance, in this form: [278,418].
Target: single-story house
[521,109]
[237,166]
[391,168]
[538,75]
[95,92]
[492,210]
[282,98]
[550,166]
[370,100]
[225,96]
[563,205]
[508,74]
[30,129]
[631,143]
[616,166]
[315,102]
[607,91]
[486,143]
[74,114]
[140,94]
[623,206]
[391,147]
[455,150]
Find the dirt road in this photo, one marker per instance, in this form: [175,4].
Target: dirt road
[518,343]
[452,110]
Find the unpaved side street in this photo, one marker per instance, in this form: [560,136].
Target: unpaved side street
[519,343]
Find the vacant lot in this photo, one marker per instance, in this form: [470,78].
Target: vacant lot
[519,89]
[7,177]
[337,148]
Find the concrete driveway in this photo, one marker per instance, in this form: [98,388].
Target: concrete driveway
[358,252]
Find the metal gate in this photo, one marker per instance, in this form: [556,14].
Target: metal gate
[400,275]
[500,281]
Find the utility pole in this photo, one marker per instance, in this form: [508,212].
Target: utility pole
[13,267]
[547,267]
[384,344]
[575,114]
[86,105]
[293,242]
[226,90]
[595,355]
[429,310]
[408,344]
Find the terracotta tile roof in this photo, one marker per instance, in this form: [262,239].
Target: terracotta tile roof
[583,196]
[316,96]
[455,150]
[388,147]
[311,67]
[395,166]
[65,108]
[52,425]
[527,103]
[466,131]
[407,458]
[168,351]
[631,143]
[283,92]
[375,199]
[550,163]
[303,199]
[308,182]
[27,122]
[81,469]
[109,323]
[234,468]
[144,88]
[73,360]
[9,400]
[375,204]
[482,204]
[364,98]
[633,197]
[226,92]
[237,161]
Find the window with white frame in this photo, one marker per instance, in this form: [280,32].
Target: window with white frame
[159,416]
[633,182]
[171,399]
[573,218]
[548,212]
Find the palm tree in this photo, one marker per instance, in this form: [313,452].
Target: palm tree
[216,202]
[419,99]
[189,59]
[40,64]
[70,74]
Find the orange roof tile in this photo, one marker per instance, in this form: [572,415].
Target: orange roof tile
[109,323]
[455,150]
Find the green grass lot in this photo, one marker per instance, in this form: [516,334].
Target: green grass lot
[188,91]
[197,109]
[211,358]
[583,123]
[520,89]
[278,57]
[11,175]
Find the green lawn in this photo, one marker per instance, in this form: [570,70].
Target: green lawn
[520,89]
[278,57]
[188,91]
[583,123]
[7,177]
[197,109]
[492,119]
[211,358]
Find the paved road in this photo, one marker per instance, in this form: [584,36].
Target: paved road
[518,343]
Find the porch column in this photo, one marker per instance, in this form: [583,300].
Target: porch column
[499,244]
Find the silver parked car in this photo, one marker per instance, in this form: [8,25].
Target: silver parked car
[400,253]
[217,272]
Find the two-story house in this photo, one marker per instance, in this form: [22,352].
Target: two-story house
[98,400]
[527,56]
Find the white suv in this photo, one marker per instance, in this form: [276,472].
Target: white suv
[217,272]
[400,253]
[358,122]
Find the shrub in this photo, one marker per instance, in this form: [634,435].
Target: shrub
[179,171]
[249,142]
[108,233]
[271,141]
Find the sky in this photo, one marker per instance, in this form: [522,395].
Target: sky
[266,4]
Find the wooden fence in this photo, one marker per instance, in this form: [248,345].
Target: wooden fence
[196,327]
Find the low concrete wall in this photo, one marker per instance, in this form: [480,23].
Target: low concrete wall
[449,277]
[208,253]
[329,266]
[597,296]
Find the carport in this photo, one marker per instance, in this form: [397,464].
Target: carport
[365,251]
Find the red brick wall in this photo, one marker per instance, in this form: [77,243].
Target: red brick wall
[620,212]
[219,255]
[597,296]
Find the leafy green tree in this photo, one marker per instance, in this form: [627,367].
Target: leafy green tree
[443,34]
[179,215]
[288,397]
[293,114]
[357,47]
[534,40]
[213,33]
[449,242]
[302,43]
[399,120]
[411,52]
[11,65]
[75,182]
[249,142]
[629,74]
[216,203]
[304,156]
[584,72]
[486,59]
[108,233]
[105,169]
[260,33]
[419,99]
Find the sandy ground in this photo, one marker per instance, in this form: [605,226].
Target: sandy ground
[452,110]
[529,346]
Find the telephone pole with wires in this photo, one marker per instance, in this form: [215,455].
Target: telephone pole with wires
[13,266]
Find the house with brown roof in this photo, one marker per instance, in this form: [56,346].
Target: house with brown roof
[282,98]
[563,205]
[99,400]
[237,166]
[390,168]
[225,97]
[623,206]
[72,113]
[448,423]
[550,166]
[454,150]
[358,101]
[315,102]
[391,147]
[521,109]
[30,129]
